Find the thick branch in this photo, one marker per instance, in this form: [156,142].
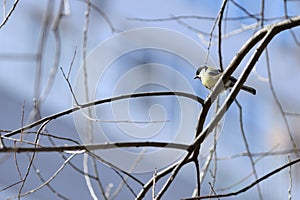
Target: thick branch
[267,33]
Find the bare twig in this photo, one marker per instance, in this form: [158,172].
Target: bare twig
[53,71]
[172,18]
[41,48]
[205,167]
[102,101]
[52,189]
[87,178]
[212,188]
[264,154]
[154,183]
[92,147]
[274,94]
[161,174]
[70,87]
[98,180]
[290,180]
[248,148]
[192,28]
[210,37]
[71,64]
[49,180]
[277,170]
[244,10]
[286,16]
[32,158]
[70,163]
[22,121]
[2,145]
[292,114]
[10,186]
[116,169]
[9,13]
[220,18]
[262,14]
[103,14]
[35,112]
[17,164]
[88,135]
[124,179]
[123,182]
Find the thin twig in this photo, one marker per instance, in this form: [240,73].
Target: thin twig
[115,168]
[98,180]
[10,186]
[124,182]
[41,49]
[71,64]
[262,13]
[210,39]
[277,170]
[278,103]
[50,179]
[290,180]
[220,18]
[53,71]
[212,188]
[161,174]
[35,112]
[70,87]
[124,179]
[154,183]
[9,13]
[172,18]
[244,10]
[192,28]
[32,158]
[2,145]
[103,14]
[286,16]
[247,147]
[292,114]
[17,164]
[52,189]
[102,101]
[63,156]
[87,178]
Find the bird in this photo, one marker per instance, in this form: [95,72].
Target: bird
[209,76]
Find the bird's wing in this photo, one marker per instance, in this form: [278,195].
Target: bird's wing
[232,79]
[214,72]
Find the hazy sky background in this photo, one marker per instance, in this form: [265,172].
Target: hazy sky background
[263,124]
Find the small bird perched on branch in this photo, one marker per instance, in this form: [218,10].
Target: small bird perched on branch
[209,76]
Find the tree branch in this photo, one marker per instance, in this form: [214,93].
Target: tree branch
[267,34]
[102,101]
[94,147]
[251,185]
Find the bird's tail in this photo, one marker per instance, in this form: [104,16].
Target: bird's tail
[249,89]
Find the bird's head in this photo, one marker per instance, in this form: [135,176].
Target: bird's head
[198,72]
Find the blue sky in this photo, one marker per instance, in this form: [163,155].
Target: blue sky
[263,123]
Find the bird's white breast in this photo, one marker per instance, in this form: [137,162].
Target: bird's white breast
[208,82]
